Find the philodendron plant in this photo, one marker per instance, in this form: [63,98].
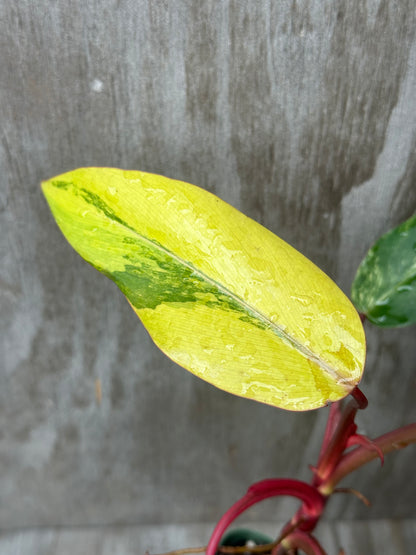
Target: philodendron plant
[232,303]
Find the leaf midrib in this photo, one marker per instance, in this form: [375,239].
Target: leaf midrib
[282,334]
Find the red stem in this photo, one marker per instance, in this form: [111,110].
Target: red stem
[333,466]
[337,444]
[360,398]
[333,419]
[306,542]
[345,427]
[397,439]
[358,439]
[313,503]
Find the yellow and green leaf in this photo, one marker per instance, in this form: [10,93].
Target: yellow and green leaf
[219,294]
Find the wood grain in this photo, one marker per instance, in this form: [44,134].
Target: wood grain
[300,113]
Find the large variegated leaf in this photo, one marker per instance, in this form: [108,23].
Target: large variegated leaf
[219,294]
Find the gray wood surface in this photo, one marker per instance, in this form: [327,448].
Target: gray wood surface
[300,113]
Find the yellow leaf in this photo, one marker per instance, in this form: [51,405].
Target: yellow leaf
[220,294]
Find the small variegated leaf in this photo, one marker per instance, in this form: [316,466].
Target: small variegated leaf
[384,288]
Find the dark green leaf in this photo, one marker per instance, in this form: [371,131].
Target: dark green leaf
[241,536]
[384,288]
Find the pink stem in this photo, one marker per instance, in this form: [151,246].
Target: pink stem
[340,428]
[313,504]
[333,419]
[306,542]
[397,439]
[337,444]
[358,439]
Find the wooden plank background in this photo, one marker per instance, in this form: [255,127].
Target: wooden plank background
[300,113]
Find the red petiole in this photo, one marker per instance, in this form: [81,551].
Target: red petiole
[333,465]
